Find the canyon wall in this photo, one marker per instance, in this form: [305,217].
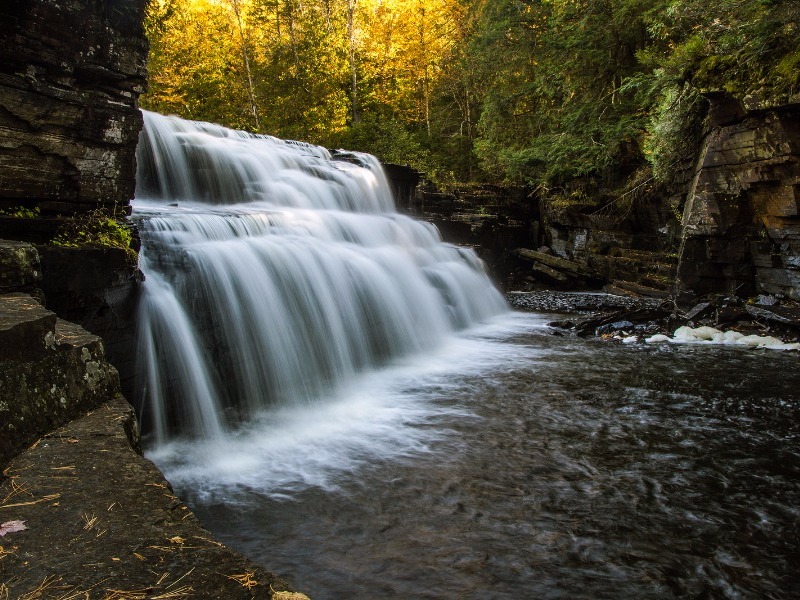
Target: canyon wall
[741,229]
[733,228]
[71,72]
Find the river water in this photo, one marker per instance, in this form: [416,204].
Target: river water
[348,400]
[514,463]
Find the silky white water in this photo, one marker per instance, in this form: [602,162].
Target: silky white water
[276,277]
[391,414]
[347,401]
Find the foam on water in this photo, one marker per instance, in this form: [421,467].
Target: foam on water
[276,276]
[712,335]
[392,413]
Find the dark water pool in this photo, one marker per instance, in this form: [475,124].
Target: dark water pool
[571,469]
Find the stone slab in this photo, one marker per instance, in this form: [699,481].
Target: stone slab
[102,522]
[27,329]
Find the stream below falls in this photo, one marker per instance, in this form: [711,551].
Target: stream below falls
[513,463]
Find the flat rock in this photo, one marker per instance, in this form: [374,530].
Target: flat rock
[103,522]
[26,327]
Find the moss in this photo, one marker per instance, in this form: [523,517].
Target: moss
[96,229]
[20,212]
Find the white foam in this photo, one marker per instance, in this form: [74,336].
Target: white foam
[711,335]
[388,414]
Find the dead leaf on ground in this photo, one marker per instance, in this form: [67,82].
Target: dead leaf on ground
[289,596]
[12,527]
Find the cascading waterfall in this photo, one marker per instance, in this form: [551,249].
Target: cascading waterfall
[275,274]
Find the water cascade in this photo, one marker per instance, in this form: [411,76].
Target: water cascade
[275,274]
[347,400]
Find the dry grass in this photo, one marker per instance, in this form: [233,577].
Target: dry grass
[126,594]
[47,498]
[212,542]
[89,521]
[245,580]
[47,583]
[16,490]
[182,592]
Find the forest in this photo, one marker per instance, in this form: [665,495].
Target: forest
[540,93]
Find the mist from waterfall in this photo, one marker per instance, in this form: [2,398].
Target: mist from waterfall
[277,275]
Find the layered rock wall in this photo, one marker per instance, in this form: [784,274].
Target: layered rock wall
[71,72]
[51,371]
[741,223]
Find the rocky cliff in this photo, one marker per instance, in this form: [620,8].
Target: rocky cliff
[71,72]
[734,229]
[741,228]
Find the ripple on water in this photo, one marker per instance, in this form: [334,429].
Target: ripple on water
[522,465]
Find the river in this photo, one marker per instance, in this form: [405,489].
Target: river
[349,401]
[514,463]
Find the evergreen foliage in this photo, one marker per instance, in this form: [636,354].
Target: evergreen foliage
[537,92]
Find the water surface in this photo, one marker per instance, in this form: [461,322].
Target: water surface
[513,463]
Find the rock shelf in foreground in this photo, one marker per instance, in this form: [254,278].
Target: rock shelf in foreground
[102,520]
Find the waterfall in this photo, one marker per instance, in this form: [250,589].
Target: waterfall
[275,274]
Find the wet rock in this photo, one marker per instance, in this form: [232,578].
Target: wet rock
[103,522]
[641,319]
[403,181]
[615,326]
[765,300]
